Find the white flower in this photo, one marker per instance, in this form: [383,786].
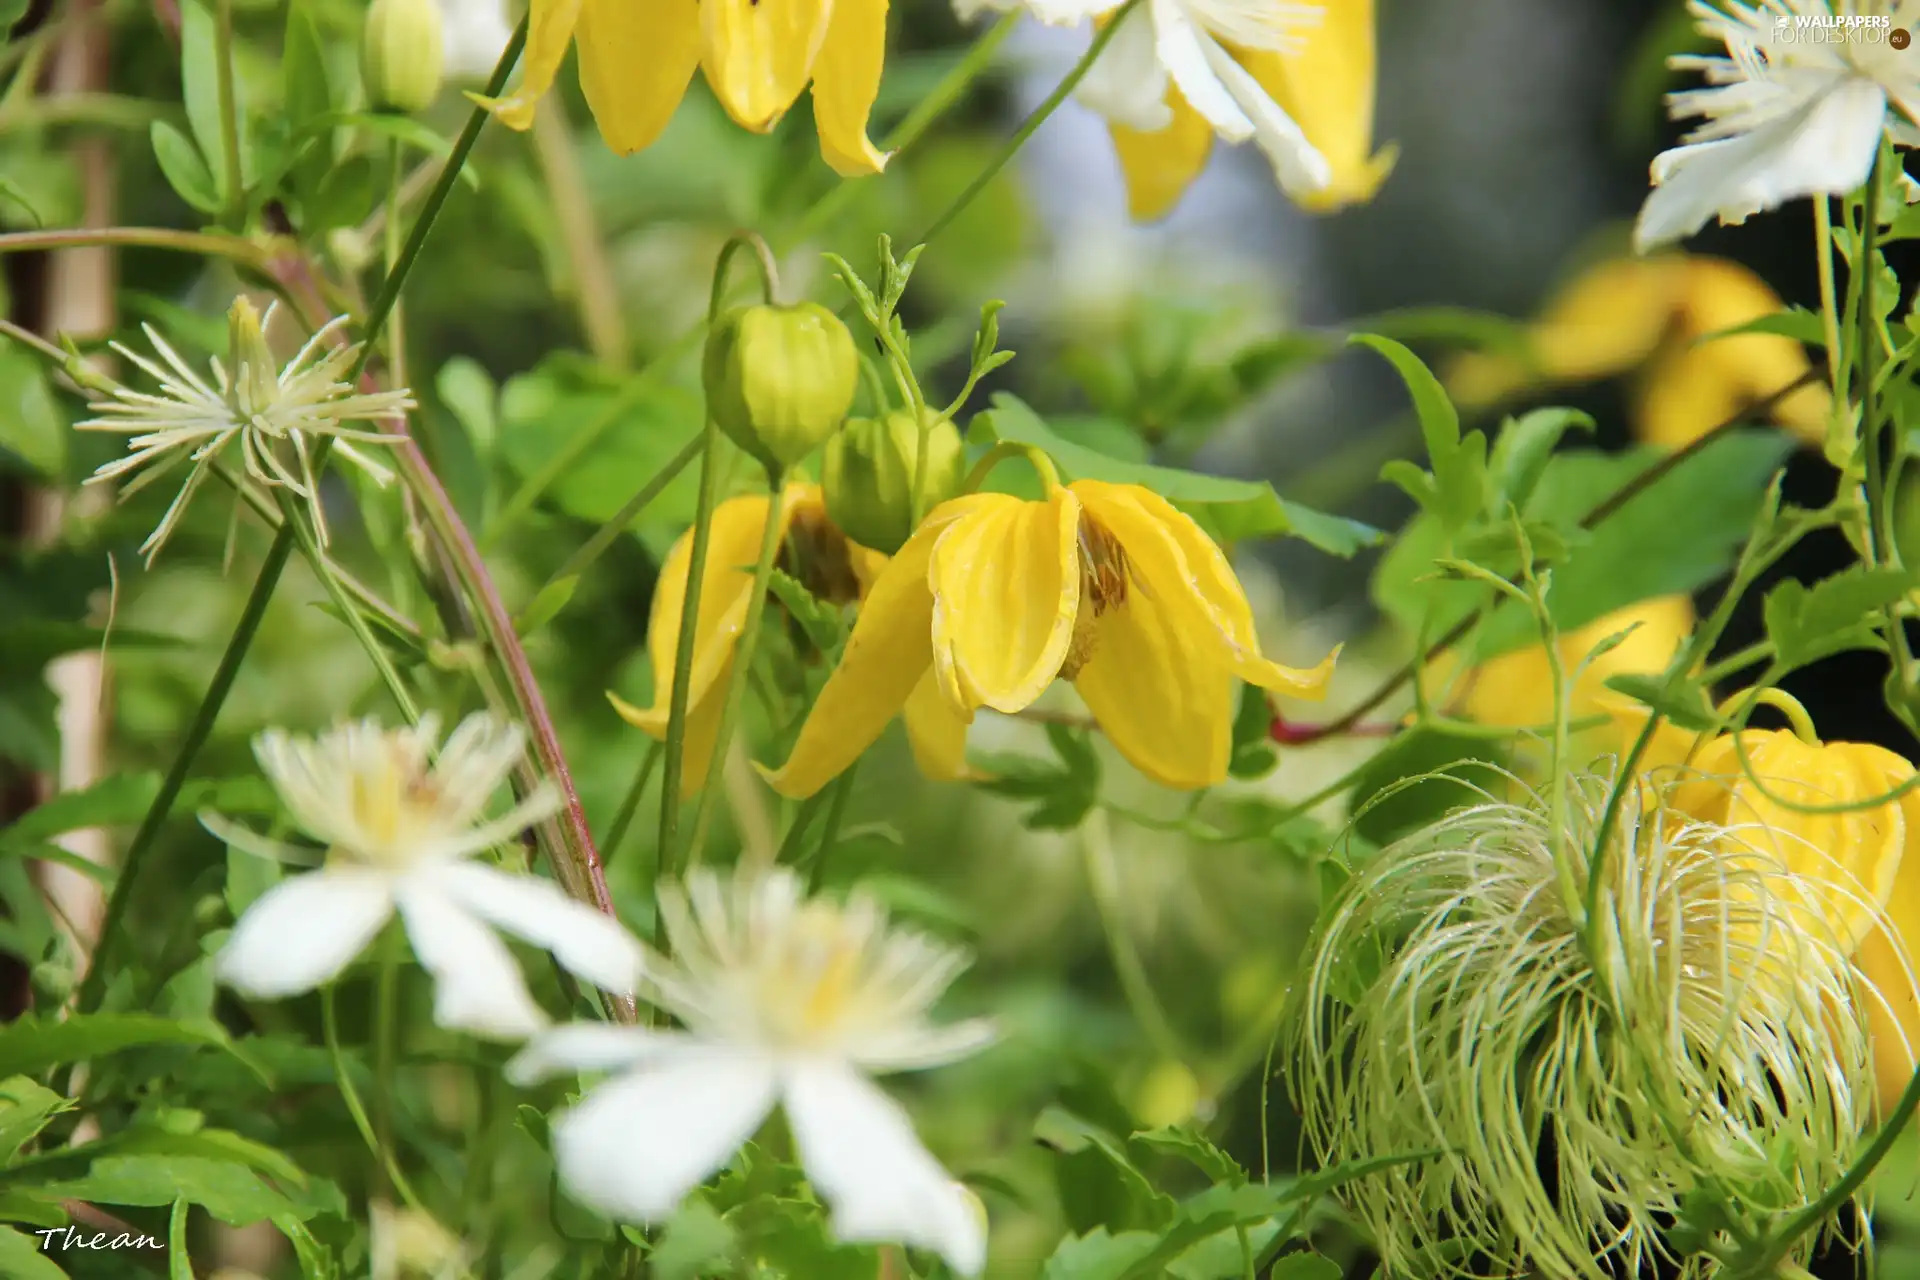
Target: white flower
[1196,47]
[268,411]
[1796,107]
[475,33]
[784,1000]
[400,831]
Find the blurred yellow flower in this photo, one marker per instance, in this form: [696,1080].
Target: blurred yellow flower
[834,568]
[1298,82]
[1106,585]
[1648,315]
[1863,859]
[1516,689]
[638,56]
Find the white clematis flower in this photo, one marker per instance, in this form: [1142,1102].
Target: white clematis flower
[789,1001]
[400,833]
[474,33]
[1796,107]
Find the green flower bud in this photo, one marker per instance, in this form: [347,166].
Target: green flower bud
[869,473]
[780,380]
[402,51]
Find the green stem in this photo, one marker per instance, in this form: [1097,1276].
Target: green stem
[233,191]
[1104,882]
[593,548]
[204,244]
[736,691]
[1829,306]
[112,919]
[385,1025]
[830,833]
[796,834]
[630,803]
[349,609]
[1035,118]
[330,1031]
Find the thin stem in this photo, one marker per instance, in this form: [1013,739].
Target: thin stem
[630,803]
[830,832]
[205,244]
[349,609]
[603,537]
[233,191]
[1829,306]
[796,833]
[1104,881]
[736,691]
[330,1032]
[595,286]
[94,984]
[1035,118]
[385,1025]
[763,260]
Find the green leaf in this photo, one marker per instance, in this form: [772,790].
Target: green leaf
[25,1108]
[547,605]
[1178,1140]
[1230,510]
[1098,1180]
[1687,706]
[1797,323]
[229,1191]
[33,429]
[166,1137]
[1252,754]
[1304,1266]
[469,394]
[200,89]
[1065,795]
[306,95]
[23,1258]
[117,800]
[1457,490]
[1098,1255]
[1836,614]
[1417,778]
[184,168]
[1452,325]
[1526,443]
[821,621]
[31,1045]
[695,1237]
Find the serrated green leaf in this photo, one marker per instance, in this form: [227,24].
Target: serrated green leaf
[1230,510]
[25,1108]
[1526,443]
[695,1237]
[1685,706]
[1457,493]
[1094,1166]
[1837,614]
[821,621]
[1183,1142]
[1098,1255]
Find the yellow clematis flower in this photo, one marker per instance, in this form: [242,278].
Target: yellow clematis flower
[1649,315]
[836,569]
[1516,689]
[1319,91]
[994,597]
[638,56]
[1867,859]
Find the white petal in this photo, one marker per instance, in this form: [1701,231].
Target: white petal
[637,1145]
[303,931]
[475,34]
[1299,166]
[477,987]
[1824,148]
[920,1047]
[585,941]
[1127,84]
[1183,50]
[861,1154]
[591,1046]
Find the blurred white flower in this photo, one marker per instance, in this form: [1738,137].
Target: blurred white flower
[476,33]
[268,411]
[400,831]
[785,1000]
[1796,107]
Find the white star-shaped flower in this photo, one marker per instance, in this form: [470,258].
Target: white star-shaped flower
[784,1000]
[1788,111]
[400,832]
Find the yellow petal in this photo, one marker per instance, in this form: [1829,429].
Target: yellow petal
[1886,960]
[937,732]
[550,26]
[1326,83]
[1160,166]
[1006,586]
[703,728]
[726,590]
[1164,702]
[1516,689]
[846,79]
[636,59]
[1609,319]
[1175,564]
[886,658]
[760,53]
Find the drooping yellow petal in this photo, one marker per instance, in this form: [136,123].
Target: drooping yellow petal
[550,26]
[937,732]
[846,79]
[1162,699]
[1006,586]
[636,60]
[760,54]
[1174,563]
[886,658]
[1695,385]
[703,727]
[1850,858]
[726,590]
[1160,166]
[1326,83]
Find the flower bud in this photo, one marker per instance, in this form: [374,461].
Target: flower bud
[869,476]
[402,54]
[779,380]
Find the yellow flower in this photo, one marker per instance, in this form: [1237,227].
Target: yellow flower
[1516,689]
[638,56]
[818,554]
[1864,860]
[1318,89]
[1649,315]
[993,597]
